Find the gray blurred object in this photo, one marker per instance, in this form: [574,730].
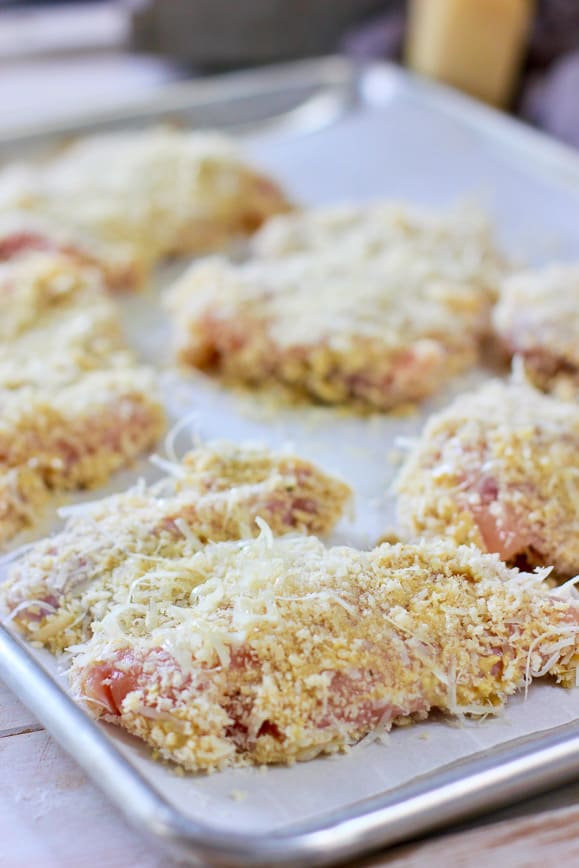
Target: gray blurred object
[380,38]
[228,33]
[555,31]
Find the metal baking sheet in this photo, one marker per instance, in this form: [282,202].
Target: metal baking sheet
[286,99]
[386,135]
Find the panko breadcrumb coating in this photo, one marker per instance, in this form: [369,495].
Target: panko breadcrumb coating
[277,650]
[537,319]
[163,192]
[499,468]
[216,493]
[376,329]
[24,233]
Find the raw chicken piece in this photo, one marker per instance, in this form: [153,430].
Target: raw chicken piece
[277,650]
[363,318]
[159,192]
[23,234]
[217,493]
[537,319]
[498,468]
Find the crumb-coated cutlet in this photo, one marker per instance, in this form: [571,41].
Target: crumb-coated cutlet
[23,497]
[218,492]
[342,326]
[279,649]
[162,191]
[537,320]
[74,405]
[498,468]
[76,436]
[25,233]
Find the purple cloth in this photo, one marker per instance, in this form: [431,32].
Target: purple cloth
[551,101]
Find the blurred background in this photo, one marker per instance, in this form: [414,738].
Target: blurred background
[58,58]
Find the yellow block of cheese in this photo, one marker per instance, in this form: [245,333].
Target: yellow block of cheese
[474,45]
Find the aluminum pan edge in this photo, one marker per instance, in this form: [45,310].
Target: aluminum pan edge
[329,86]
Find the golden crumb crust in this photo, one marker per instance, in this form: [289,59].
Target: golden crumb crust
[217,493]
[498,468]
[279,649]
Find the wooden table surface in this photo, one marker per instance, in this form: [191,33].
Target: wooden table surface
[51,816]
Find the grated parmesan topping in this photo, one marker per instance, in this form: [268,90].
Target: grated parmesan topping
[462,235]
[39,284]
[55,324]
